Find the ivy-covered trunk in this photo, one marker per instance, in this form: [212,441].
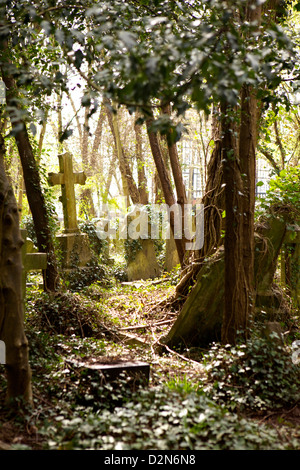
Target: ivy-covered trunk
[31,176]
[235,298]
[11,302]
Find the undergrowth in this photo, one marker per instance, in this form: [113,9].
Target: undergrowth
[218,406]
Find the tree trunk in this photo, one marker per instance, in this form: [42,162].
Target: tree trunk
[94,161]
[235,307]
[247,153]
[127,178]
[166,186]
[200,321]
[34,192]
[214,206]
[11,302]
[142,182]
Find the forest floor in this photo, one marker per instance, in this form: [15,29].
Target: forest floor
[125,322]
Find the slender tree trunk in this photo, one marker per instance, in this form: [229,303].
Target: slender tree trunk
[42,135]
[126,173]
[11,302]
[94,161]
[142,182]
[166,186]
[34,192]
[175,165]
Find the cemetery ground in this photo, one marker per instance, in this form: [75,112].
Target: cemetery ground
[220,398]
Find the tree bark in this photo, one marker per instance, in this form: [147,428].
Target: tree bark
[11,303]
[247,158]
[142,182]
[200,321]
[34,192]
[166,186]
[235,298]
[126,173]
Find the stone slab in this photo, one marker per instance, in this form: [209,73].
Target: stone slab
[137,372]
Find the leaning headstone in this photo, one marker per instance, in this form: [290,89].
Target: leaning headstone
[74,245]
[199,322]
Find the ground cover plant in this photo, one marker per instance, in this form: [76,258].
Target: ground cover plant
[224,398]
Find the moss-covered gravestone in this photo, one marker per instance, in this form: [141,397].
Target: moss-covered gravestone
[171,258]
[290,262]
[32,260]
[140,251]
[74,245]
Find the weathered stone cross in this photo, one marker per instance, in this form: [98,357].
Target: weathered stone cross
[67,179]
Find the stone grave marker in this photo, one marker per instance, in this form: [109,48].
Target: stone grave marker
[171,258]
[74,244]
[291,245]
[110,370]
[142,262]
[67,179]
[32,260]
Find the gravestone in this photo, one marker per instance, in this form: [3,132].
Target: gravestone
[32,260]
[141,255]
[172,258]
[290,260]
[110,370]
[144,265]
[74,245]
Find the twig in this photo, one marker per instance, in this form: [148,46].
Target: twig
[194,363]
[137,327]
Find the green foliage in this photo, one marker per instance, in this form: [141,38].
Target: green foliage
[284,190]
[259,375]
[159,419]
[137,52]
[98,244]
[207,410]
[67,313]
[132,247]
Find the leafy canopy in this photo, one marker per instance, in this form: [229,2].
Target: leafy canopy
[145,53]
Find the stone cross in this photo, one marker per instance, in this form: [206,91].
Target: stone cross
[31,259]
[67,179]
